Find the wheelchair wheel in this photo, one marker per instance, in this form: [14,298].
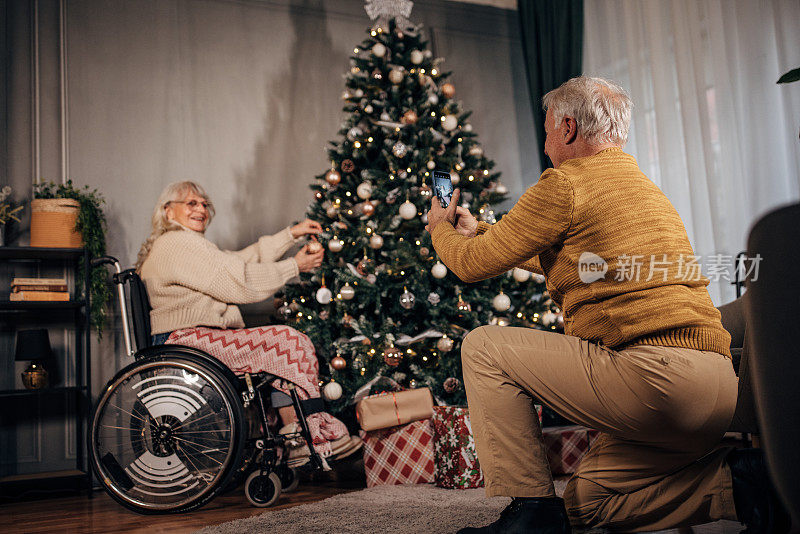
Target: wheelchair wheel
[289,478]
[262,490]
[167,434]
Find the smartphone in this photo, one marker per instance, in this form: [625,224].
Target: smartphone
[443,187]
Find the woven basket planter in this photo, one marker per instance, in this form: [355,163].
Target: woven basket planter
[53,223]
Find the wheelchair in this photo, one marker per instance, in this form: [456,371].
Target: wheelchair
[176,427]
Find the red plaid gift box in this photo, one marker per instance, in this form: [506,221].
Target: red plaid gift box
[399,455]
[566,445]
[454,449]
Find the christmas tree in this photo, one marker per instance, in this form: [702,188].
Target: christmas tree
[382,304]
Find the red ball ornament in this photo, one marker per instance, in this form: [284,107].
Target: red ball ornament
[333,177]
[348,165]
[368,208]
[338,363]
[449,90]
[409,117]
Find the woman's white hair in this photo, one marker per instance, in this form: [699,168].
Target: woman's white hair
[601,108]
[160,223]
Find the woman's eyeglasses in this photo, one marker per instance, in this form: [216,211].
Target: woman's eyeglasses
[192,204]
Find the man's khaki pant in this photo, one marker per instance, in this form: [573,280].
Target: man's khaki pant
[661,411]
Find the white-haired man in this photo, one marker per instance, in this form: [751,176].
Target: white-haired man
[645,358]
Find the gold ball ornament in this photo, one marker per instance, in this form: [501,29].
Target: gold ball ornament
[449,90]
[445,344]
[333,177]
[364,190]
[347,291]
[392,356]
[425,191]
[338,363]
[332,211]
[416,57]
[396,76]
[454,177]
[409,117]
[368,208]
[379,49]
[376,241]
[463,306]
[335,245]
[314,247]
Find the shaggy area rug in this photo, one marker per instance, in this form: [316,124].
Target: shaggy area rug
[394,509]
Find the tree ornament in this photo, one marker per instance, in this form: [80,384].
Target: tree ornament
[354,133]
[324,294]
[332,211]
[424,218]
[412,384]
[332,391]
[424,251]
[285,311]
[467,127]
[452,384]
[434,298]
[396,76]
[348,165]
[427,53]
[368,208]
[407,299]
[431,165]
[338,363]
[409,117]
[379,49]
[376,241]
[450,123]
[371,278]
[425,191]
[433,99]
[358,93]
[386,117]
[501,189]
[314,247]
[416,57]
[476,150]
[521,275]
[454,177]
[402,174]
[368,109]
[445,344]
[318,195]
[449,90]
[347,320]
[364,264]
[408,210]
[366,341]
[501,302]
[335,245]
[538,278]
[333,177]
[400,149]
[548,318]
[377,74]
[439,270]
[347,291]
[463,306]
[392,356]
[364,190]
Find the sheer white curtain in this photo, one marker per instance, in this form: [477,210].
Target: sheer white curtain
[710,126]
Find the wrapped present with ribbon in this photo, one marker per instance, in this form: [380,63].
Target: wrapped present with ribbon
[399,455]
[454,449]
[394,408]
[566,445]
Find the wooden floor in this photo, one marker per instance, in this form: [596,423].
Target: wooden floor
[100,514]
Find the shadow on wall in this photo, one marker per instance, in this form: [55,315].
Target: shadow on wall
[268,195]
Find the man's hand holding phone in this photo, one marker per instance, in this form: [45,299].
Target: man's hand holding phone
[438,214]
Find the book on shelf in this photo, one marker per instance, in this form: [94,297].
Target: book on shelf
[39,284]
[39,296]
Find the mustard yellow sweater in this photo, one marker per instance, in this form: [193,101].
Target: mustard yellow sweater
[593,213]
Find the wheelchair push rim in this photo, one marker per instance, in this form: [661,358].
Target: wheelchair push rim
[165,435]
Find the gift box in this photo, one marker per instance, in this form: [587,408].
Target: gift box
[454,449]
[394,408]
[566,445]
[399,455]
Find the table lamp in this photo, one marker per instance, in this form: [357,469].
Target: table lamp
[34,346]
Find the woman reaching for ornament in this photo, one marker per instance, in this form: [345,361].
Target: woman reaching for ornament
[194,288]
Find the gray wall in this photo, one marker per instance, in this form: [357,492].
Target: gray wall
[239,95]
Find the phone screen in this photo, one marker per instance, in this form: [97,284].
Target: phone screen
[443,187]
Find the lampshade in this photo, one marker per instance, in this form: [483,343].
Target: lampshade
[33,345]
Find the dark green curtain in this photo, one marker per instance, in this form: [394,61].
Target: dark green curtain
[552,40]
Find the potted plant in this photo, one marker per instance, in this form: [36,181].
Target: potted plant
[7,212]
[90,225]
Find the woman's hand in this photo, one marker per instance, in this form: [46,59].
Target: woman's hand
[466,223]
[308,262]
[305,228]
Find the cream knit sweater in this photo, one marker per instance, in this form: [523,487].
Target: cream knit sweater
[191,282]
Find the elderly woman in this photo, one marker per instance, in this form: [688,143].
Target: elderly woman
[194,288]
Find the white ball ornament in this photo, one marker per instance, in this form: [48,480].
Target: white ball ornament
[424,218]
[359,93]
[450,123]
[386,117]
[427,53]
[431,165]
[433,99]
[521,275]
[416,57]
[335,245]
[548,318]
[379,49]
[395,76]
[467,127]
[376,241]
[538,278]
[332,391]
[407,299]
[364,190]
[408,210]
[454,177]
[347,292]
[367,109]
[501,189]
[324,295]
[439,270]
[501,302]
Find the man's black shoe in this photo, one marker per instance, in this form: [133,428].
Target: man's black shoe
[545,515]
[757,504]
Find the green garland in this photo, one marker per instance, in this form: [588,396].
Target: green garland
[92,226]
